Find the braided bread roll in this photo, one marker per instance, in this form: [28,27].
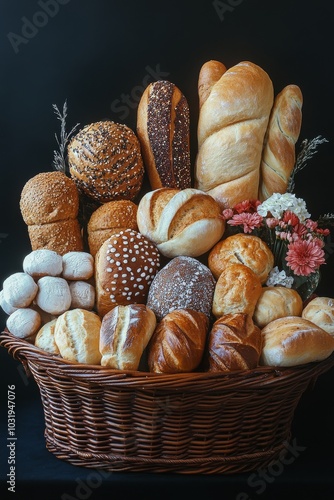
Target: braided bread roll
[232,123]
[235,343]
[278,156]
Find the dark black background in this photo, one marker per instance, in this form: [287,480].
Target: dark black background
[92,53]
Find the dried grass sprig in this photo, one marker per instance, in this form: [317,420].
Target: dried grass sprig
[59,157]
[326,220]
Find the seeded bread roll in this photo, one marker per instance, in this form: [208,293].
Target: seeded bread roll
[235,343]
[125,333]
[180,222]
[163,131]
[125,266]
[178,342]
[49,205]
[183,283]
[105,161]
[110,218]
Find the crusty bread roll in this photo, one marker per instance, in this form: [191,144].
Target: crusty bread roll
[276,302]
[49,205]
[231,129]
[210,73]
[125,333]
[53,295]
[180,222]
[45,338]
[178,342]
[241,248]
[19,290]
[77,335]
[77,266]
[111,217]
[24,323]
[82,295]
[234,343]
[163,131]
[237,291]
[125,266]
[278,156]
[43,262]
[293,341]
[320,311]
[105,161]
[183,283]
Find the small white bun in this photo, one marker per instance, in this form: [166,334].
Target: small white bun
[45,338]
[276,302]
[43,262]
[78,266]
[19,290]
[24,323]
[83,295]
[7,308]
[53,295]
[320,311]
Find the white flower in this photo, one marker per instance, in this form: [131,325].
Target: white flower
[277,277]
[277,204]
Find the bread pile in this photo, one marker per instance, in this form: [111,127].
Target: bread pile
[159,285]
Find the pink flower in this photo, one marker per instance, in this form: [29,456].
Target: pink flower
[272,222]
[304,256]
[248,221]
[249,206]
[227,213]
[290,218]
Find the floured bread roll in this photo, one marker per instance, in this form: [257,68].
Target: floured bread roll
[245,249]
[320,311]
[45,338]
[19,290]
[277,302]
[82,295]
[77,266]
[24,323]
[234,343]
[237,291]
[293,341]
[180,222]
[43,262]
[178,342]
[77,335]
[53,295]
[125,333]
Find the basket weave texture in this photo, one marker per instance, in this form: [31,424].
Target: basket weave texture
[192,423]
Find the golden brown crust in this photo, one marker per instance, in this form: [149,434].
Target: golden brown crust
[241,248]
[320,311]
[61,237]
[163,131]
[277,302]
[105,161]
[278,156]
[111,217]
[177,345]
[237,291]
[125,333]
[209,74]
[235,343]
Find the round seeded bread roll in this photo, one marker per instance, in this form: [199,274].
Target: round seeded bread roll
[77,335]
[43,262]
[24,323]
[105,161]
[293,341]
[277,302]
[78,266]
[237,291]
[45,338]
[53,295]
[19,290]
[320,311]
[183,283]
[109,218]
[245,249]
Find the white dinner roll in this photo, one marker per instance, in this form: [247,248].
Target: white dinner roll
[19,289]
[83,295]
[293,341]
[78,266]
[43,262]
[7,308]
[320,311]
[53,295]
[24,323]
[276,302]
[45,338]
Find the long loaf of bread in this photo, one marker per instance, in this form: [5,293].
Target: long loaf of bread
[233,120]
[278,156]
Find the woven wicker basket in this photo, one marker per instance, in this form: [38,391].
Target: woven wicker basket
[201,423]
